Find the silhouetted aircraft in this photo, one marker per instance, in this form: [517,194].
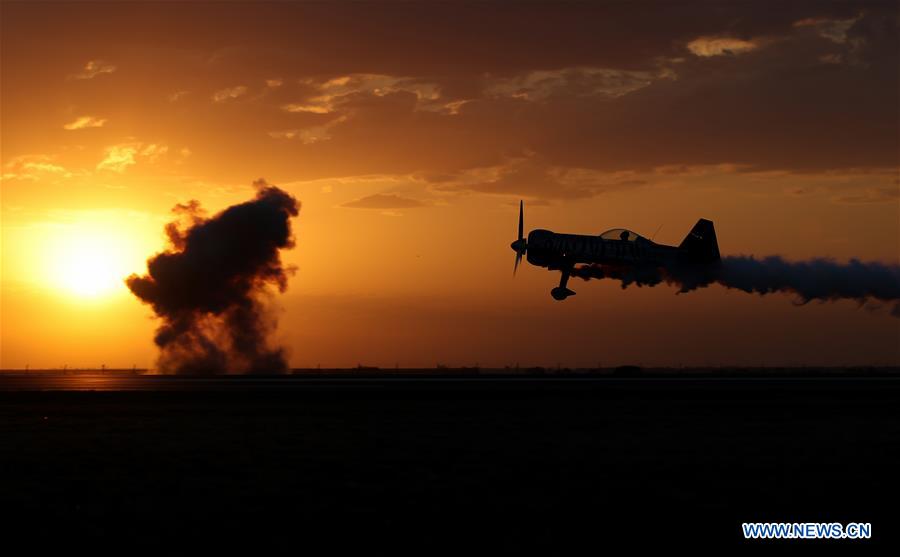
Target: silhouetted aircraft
[618,247]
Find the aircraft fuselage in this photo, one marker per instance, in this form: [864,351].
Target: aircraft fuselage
[617,246]
[561,251]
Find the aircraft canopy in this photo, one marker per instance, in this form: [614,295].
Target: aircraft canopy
[618,234]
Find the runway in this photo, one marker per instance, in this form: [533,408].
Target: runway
[511,464]
[412,380]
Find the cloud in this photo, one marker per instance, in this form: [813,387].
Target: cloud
[706,47]
[153,151]
[773,108]
[274,83]
[310,135]
[531,176]
[229,93]
[177,95]
[83,122]
[315,108]
[306,135]
[779,109]
[534,178]
[384,201]
[583,82]
[605,90]
[94,68]
[871,195]
[453,107]
[835,30]
[117,158]
[331,94]
[34,167]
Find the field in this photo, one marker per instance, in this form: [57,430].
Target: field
[558,465]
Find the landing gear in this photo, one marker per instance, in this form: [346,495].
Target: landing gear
[560,293]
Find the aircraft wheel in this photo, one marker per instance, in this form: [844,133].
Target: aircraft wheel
[560,293]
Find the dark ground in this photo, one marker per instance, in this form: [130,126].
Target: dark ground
[465,466]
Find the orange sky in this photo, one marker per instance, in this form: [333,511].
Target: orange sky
[410,131]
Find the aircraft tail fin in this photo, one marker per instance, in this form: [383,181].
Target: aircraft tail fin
[700,245]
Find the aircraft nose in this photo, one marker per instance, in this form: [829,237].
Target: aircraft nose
[518,245]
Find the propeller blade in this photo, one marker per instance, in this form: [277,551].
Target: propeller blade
[521,224]
[520,246]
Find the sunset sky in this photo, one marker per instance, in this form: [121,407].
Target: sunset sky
[409,132]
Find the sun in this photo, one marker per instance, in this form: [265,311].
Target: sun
[81,255]
[89,260]
[88,268]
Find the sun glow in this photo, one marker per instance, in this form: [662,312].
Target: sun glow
[89,264]
[84,255]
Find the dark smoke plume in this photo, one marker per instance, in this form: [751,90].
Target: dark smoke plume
[817,279]
[208,288]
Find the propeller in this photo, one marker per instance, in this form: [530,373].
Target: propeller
[520,246]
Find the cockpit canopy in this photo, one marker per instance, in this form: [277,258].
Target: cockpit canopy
[621,234]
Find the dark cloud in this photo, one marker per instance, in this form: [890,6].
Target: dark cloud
[783,105]
[604,86]
[384,201]
[403,38]
[871,195]
[209,288]
[533,177]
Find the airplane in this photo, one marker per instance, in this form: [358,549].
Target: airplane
[617,246]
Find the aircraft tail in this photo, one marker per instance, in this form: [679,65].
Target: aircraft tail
[700,245]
